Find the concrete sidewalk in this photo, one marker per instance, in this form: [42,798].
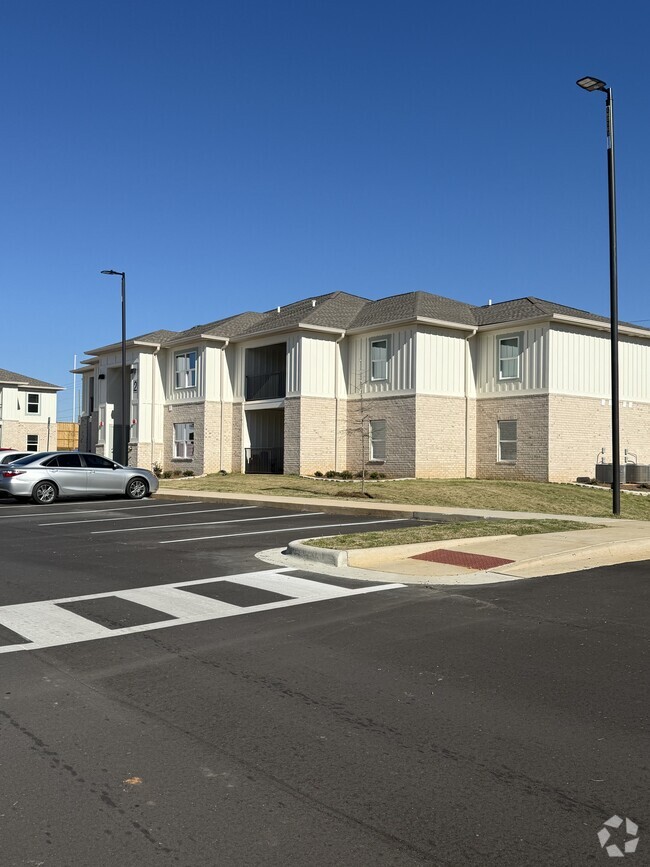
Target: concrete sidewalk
[613,540]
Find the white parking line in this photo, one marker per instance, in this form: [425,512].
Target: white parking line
[284,530]
[201,523]
[45,624]
[48,514]
[142,517]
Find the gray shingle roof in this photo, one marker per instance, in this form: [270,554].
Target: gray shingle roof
[340,310]
[10,376]
[410,305]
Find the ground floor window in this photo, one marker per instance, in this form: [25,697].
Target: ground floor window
[184,440]
[507,452]
[32,442]
[378,439]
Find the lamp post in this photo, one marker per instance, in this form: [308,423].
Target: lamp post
[124,453]
[590,84]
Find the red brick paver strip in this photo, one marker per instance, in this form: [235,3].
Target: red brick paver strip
[461,558]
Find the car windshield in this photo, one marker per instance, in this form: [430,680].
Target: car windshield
[30,459]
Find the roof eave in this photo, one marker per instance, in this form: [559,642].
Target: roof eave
[418,320]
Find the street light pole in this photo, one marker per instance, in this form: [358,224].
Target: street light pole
[591,84]
[124,445]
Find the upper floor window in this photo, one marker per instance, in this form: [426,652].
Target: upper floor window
[379,350]
[510,357]
[33,404]
[185,369]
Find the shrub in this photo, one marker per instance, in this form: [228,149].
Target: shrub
[157,470]
[188,473]
[345,474]
[222,473]
[373,475]
[381,475]
[177,474]
[318,474]
[359,475]
[331,474]
[167,474]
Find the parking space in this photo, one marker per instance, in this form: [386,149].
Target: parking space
[81,571]
[80,548]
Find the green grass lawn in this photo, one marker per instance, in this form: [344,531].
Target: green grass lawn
[465,493]
[440,532]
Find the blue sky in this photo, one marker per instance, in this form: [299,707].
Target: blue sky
[240,155]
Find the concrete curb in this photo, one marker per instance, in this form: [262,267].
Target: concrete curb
[328,556]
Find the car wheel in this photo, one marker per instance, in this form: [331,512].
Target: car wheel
[137,489]
[45,493]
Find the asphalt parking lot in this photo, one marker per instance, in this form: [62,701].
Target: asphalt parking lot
[143,720]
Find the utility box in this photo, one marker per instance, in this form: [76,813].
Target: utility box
[638,474]
[605,473]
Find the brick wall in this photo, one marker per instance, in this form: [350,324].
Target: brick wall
[317,434]
[400,416]
[237,411]
[177,414]
[14,434]
[531,414]
[292,435]
[580,426]
[440,437]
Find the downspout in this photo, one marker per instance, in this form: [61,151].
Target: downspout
[221,369]
[153,401]
[467,352]
[336,402]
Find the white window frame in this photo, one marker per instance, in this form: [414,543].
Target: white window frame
[36,411]
[375,341]
[504,359]
[184,440]
[501,440]
[27,446]
[377,439]
[185,377]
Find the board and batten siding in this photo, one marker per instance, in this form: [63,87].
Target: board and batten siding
[580,363]
[534,362]
[319,366]
[180,395]
[401,364]
[441,361]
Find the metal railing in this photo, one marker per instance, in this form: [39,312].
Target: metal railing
[266,386]
[265,460]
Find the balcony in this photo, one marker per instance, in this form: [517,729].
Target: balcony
[265,460]
[266,386]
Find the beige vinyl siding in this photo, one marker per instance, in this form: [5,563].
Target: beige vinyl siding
[440,362]
[581,364]
[401,363]
[318,366]
[534,361]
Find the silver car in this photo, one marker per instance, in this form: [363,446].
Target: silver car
[45,476]
[8,456]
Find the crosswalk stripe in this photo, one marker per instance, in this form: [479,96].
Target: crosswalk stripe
[46,624]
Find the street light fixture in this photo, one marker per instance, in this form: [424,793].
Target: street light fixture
[124,444]
[590,83]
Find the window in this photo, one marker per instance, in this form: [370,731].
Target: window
[185,369]
[97,462]
[379,359]
[33,404]
[32,442]
[507,441]
[70,460]
[509,354]
[184,440]
[378,439]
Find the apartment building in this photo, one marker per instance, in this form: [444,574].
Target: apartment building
[412,385]
[27,412]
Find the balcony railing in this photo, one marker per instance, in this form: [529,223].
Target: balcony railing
[265,460]
[266,386]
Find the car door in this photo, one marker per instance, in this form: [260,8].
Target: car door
[68,473]
[103,477]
